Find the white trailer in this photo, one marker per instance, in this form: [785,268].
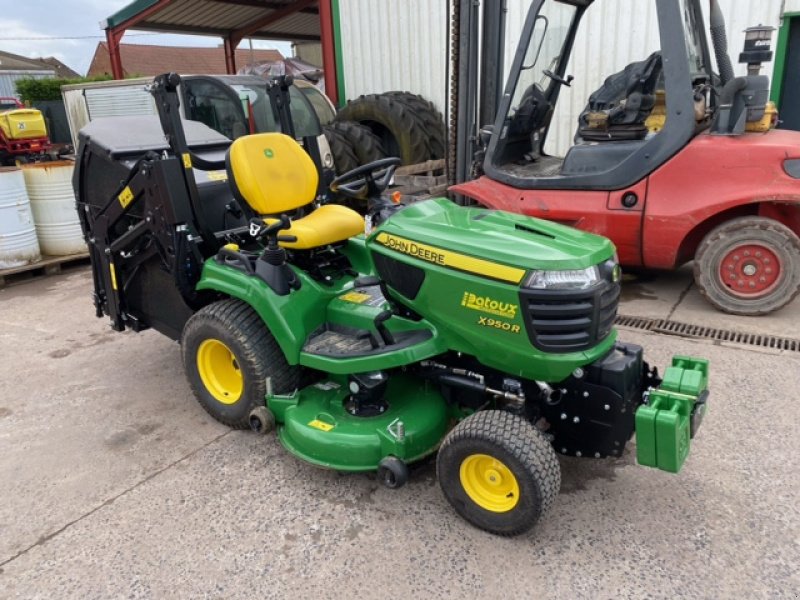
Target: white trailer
[233,105]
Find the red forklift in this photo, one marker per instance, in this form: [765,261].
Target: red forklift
[671,160]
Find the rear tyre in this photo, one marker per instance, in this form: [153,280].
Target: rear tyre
[749,266]
[498,472]
[366,145]
[432,119]
[401,132]
[228,354]
[344,155]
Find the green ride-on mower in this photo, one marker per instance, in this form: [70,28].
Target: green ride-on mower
[483,337]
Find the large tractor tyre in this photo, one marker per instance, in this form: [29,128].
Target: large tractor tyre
[344,155]
[228,354]
[367,146]
[498,471]
[426,111]
[749,266]
[400,131]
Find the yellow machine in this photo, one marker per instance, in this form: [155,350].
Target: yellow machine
[23,132]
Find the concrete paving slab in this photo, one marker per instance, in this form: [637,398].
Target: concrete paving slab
[695,310]
[653,295]
[202,512]
[85,412]
[673,295]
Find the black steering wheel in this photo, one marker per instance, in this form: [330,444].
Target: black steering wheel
[367,180]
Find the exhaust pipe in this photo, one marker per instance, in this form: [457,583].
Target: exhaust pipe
[719,38]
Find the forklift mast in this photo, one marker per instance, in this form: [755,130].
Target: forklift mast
[480,98]
[474,77]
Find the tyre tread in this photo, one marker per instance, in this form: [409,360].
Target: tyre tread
[261,351]
[367,146]
[520,438]
[344,155]
[717,236]
[396,117]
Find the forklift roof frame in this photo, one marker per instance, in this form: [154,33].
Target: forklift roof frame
[680,125]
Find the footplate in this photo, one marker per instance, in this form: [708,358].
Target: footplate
[674,411]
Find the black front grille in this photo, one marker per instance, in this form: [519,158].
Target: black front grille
[567,320]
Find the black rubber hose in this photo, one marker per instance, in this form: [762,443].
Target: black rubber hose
[462,382]
[719,39]
[733,87]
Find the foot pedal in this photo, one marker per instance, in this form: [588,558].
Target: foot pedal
[339,342]
[366,281]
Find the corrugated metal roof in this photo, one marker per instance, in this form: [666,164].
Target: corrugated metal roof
[220,17]
[8,80]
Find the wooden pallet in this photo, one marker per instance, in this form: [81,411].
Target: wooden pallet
[49,265]
[422,180]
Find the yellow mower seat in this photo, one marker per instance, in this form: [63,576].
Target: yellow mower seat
[273,175]
[328,224]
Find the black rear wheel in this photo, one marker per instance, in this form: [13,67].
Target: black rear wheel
[401,132]
[498,472]
[228,354]
[431,118]
[344,155]
[367,146]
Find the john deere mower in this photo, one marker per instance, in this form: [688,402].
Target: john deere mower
[478,336]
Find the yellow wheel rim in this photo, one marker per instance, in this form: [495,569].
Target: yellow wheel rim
[489,483]
[219,371]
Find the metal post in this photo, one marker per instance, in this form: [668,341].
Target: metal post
[328,49]
[113,38]
[229,45]
[466,129]
[494,24]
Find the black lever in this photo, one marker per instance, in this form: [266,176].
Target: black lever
[567,82]
[387,336]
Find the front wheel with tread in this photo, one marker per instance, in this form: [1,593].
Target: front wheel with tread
[749,266]
[228,354]
[498,471]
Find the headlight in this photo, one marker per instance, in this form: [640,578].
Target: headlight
[576,279]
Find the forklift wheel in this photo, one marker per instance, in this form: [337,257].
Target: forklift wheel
[228,354]
[749,266]
[262,421]
[392,472]
[498,471]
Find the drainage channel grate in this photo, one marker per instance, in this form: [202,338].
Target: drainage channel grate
[709,333]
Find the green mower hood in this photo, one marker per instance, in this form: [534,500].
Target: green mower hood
[500,237]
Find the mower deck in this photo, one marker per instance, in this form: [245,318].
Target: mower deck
[317,427]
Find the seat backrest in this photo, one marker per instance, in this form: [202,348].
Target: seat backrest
[271,172]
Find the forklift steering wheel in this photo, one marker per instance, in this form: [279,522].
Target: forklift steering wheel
[366,181]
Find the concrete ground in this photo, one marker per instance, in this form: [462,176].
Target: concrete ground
[115,483]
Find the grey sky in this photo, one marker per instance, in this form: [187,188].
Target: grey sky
[65,18]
